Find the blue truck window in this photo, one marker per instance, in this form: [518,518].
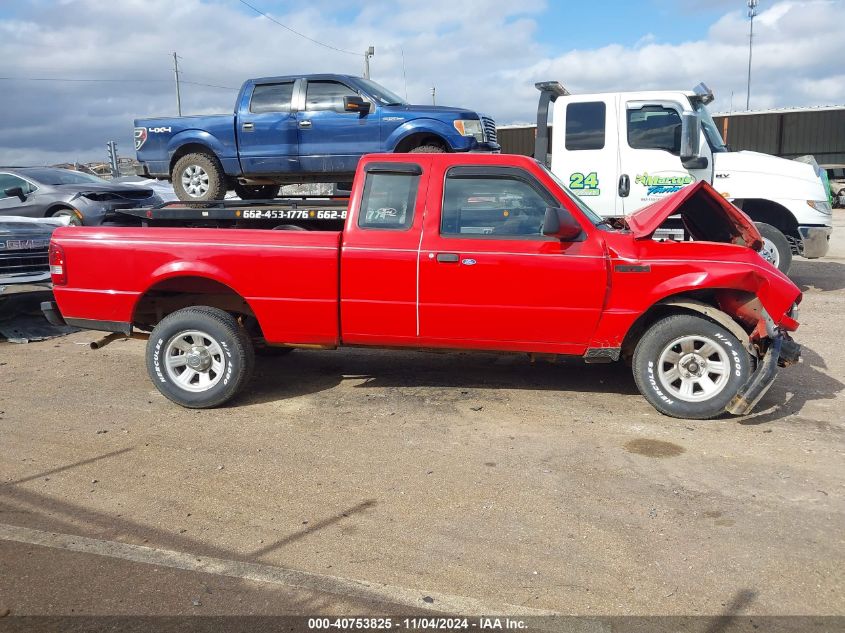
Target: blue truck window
[585,124]
[271,98]
[327,95]
[388,201]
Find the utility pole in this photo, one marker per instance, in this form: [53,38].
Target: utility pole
[752,13]
[367,54]
[111,148]
[433,95]
[178,90]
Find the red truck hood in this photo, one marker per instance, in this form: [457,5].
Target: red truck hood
[706,215]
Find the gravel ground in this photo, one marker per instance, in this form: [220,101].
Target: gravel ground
[440,481]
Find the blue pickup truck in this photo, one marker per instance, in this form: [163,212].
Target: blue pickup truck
[310,128]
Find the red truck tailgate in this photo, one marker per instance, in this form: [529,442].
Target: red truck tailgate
[288,278]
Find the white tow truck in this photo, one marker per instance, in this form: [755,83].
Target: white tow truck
[621,151]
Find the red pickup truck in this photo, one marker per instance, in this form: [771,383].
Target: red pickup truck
[446,251]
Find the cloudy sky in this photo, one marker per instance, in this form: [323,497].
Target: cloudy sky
[482,54]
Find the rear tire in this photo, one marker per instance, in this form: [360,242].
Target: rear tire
[428,149]
[199,357]
[776,249]
[689,367]
[257,192]
[198,177]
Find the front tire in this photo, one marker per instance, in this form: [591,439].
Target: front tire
[776,249]
[199,357]
[198,177]
[689,367]
[428,149]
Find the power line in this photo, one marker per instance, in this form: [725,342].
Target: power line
[79,80]
[84,80]
[197,83]
[285,26]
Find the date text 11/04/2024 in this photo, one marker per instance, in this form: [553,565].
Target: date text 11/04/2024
[419,623]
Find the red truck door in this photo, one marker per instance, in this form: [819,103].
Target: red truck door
[489,279]
[378,283]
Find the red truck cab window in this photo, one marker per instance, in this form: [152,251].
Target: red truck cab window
[378,282]
[388,201]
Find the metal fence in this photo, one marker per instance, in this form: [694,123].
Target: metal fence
[788,134]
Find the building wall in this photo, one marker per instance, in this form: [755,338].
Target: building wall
[788,134]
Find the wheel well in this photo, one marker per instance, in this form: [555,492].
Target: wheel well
[668,306]
[176,293]
[772,213]
[190,148]
[418,140]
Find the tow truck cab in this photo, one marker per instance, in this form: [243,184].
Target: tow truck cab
[621,151]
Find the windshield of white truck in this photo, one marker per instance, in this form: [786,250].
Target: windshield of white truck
[381,94]
[710,129]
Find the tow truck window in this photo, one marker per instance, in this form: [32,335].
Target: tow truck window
[388,201]
[271,98]
[655,127]
[327,95]
[476,206]
[585,123]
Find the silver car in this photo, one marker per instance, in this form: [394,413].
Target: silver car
[39,192]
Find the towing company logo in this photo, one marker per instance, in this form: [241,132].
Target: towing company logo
[659,185]
[140,137]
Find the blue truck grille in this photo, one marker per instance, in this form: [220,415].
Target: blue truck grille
[489,125]
[24,263]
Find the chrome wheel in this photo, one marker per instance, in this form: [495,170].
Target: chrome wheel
[770,253]
[194,361]
[195,181]
[694,368]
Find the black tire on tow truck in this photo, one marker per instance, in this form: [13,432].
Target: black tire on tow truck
[198,177]
[776,248]
[199,357]
[689,367]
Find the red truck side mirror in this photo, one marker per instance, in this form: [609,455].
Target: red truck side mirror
[559,223]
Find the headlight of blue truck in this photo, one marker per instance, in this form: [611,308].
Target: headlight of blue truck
[470,127]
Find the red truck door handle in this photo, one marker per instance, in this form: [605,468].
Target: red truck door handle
[447,258]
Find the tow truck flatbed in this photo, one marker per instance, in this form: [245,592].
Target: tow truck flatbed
[325,213]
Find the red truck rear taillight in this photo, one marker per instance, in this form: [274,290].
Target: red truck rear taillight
[58,268]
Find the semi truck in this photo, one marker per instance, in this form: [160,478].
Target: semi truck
[620,151]
[454,251]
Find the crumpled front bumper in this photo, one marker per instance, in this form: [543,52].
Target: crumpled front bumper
[782,352]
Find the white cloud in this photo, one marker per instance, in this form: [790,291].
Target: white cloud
[479,54]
